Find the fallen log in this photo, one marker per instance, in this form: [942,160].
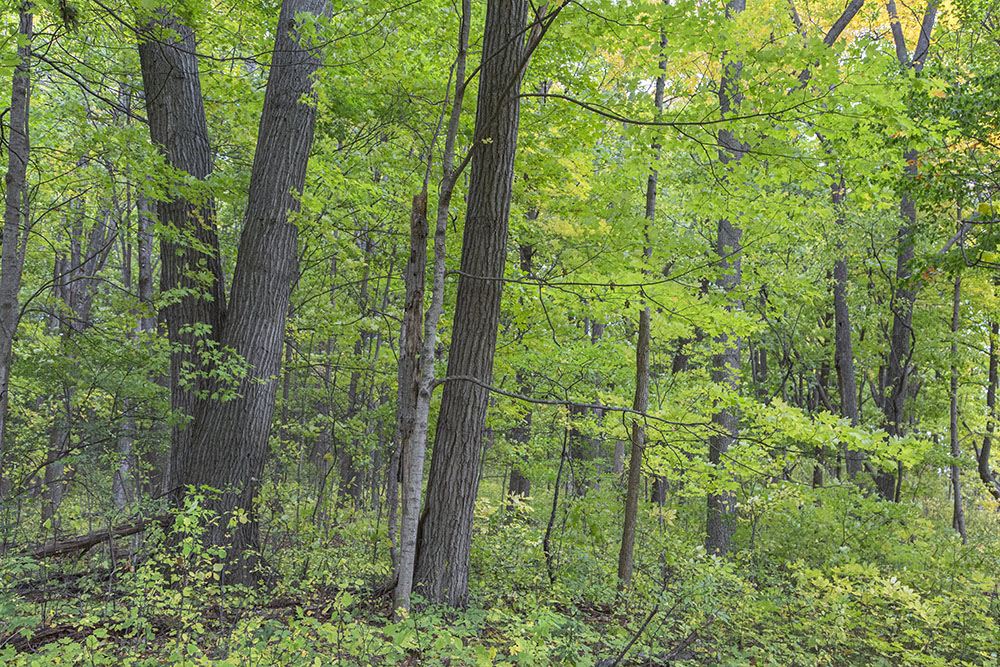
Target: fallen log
[86,542]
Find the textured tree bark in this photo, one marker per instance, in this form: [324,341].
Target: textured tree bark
[958,512]
[413,455]
[442,566]
[177,125]
[17,218]
[230,443]
[226,446]
[409,347]
[898,368]
[726,363]
[640,403]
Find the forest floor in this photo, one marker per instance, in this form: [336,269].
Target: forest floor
[820,577]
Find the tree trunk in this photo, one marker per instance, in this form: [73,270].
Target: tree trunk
[843,350]
[122,490]
[16,220]
[983,455]
[413,455]
[958,513]
[726,363]
[904,293]
[442,567]
[639,404]
[177,125]
[227,444]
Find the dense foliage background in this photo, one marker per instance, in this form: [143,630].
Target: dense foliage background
[859,526]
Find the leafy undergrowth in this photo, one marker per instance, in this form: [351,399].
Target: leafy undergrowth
[823,577]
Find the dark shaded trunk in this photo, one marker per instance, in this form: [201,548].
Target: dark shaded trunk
[227,446]
[189,252]
[896,387]
[442,567]
[16,220]
[983,455]
[720,515]
[958,512]
[843,349]
[520,485]
[640,403]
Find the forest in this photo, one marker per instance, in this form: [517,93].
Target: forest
[500,332]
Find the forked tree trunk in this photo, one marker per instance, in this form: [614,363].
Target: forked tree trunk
[442,567]
[898,366]
[226,447]
[230,444]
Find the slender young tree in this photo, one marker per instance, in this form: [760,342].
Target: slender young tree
[640,402]
[416,372]
[958,512]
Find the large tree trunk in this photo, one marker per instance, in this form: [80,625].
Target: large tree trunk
[177,125]
[442,567]
[16,220]
[726,363]
[226,446]
[229,445]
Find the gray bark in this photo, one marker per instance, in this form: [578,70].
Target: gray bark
[413,453]
[17,219]
[720,515]
[442,567]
